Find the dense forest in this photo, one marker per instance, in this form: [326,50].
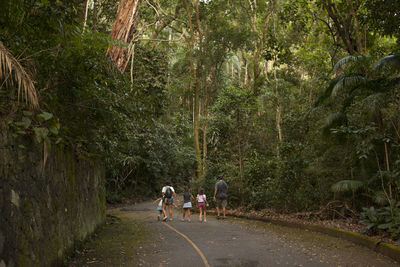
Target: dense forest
[295,103]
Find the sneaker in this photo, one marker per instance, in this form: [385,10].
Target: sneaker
[165,219]
[170,219]
[188,220]
[224,218]
[182,220]
[218,217]
[205,220]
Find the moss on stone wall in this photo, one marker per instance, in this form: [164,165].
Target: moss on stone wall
[45,210]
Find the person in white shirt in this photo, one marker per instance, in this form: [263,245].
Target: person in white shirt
[201,204]
[168,193]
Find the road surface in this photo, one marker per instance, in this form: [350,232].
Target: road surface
[138,239]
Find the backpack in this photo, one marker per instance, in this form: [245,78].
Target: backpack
[221,190]
[168,192]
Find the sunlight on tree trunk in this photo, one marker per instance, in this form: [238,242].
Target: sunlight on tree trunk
[278,122]
[86,17]
[122,30]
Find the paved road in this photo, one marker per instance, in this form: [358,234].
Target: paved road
[234,242]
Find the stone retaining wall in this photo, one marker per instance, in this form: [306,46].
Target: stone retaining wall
[45,210]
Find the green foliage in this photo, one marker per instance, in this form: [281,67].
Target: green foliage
[381,18]
[146,160]
[388,66]
[88,104]
[263,136]
[347,185]
[386,219]
[42,125]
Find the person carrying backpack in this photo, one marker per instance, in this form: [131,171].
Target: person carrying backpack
[220,197]
[168,193]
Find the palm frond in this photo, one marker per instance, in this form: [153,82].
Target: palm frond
[322,78]
[380,198]
[342,63]
[328,91]
[348,81]
[11,71]
[346,186]
[389,64]
[333,120]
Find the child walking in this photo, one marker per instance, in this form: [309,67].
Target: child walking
[159,207]
[201,203]
[187,203]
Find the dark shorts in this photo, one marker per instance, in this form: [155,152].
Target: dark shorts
[221,203]
[168,201]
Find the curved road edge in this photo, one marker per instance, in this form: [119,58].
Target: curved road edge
[386,249]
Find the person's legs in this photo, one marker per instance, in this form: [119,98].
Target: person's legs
[163,209]
[201,211]
[218,207]
[224,202]
[170,211]
[188,214]
[205,214]
[183,214]
[159,214]
[164,212]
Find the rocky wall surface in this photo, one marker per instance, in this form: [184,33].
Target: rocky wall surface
[45,210]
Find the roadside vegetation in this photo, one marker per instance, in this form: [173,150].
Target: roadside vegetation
[295,103]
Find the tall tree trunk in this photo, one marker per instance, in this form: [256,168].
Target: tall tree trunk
[239,76]
[278,115]
[346,30]
[245,68]
[204,148]
[95,15]
[357,32]
[196,123]
[278,122]
[86,17]
[195,74]
[259,40]
[246,72]
[205,116]
[123,28]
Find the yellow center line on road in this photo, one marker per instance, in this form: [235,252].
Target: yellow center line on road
[192,243]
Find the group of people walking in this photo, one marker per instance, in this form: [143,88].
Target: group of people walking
[168,196]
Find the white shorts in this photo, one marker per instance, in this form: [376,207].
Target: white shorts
[187,205]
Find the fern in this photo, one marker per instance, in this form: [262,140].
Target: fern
[11,66]
[346,186]
[349,81]
[328,91]
[389,65]
[380,198]
[332,121]
[344,62]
